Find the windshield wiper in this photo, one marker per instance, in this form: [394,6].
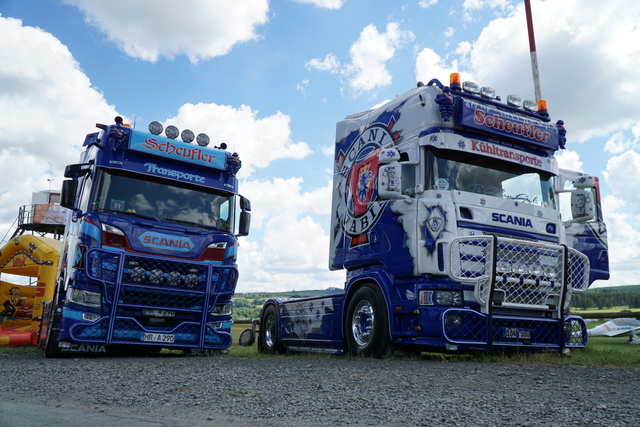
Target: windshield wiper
[193,224]
[139,215]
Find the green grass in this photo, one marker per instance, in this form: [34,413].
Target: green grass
[601,351]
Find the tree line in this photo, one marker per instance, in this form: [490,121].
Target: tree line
[603,298]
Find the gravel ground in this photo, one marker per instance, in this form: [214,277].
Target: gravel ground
[282,391]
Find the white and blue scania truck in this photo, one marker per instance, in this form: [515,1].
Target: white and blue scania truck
[446,216]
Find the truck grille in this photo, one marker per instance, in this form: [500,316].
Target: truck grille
[157,282]
[526,273]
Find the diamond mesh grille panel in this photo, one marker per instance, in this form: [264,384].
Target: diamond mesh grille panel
[525,273]
[529,274]
[90,332]
[575,332]
[465,326]
[579,267]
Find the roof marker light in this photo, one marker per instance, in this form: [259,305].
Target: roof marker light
[202,139]
[488,92]
[542,108]
[530,105]
[454,81]
[155,128]
[187,136]
[514,101]
[471,87]
[172,132]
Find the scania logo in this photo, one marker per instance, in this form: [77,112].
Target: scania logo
[511,219]
[166,242]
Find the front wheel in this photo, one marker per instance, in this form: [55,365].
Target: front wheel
[367,323]
[269,342]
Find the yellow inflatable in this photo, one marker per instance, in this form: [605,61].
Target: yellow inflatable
[21,306]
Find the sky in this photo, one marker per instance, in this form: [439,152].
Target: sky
[272,78]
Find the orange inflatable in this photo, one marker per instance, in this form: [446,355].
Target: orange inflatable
[21,305]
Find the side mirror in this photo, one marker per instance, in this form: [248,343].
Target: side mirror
[245,204]
[245,223]
[389,181]
[77,170]
[582,205]
[68,194]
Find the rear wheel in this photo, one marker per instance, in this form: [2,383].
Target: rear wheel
[269,342]
[367,323]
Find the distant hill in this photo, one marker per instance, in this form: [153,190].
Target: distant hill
[246,306]
[608,297]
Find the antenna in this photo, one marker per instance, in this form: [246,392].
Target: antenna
[532,49]
[411,65]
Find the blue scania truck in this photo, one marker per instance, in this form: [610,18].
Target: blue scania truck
[148,257]
[457,230]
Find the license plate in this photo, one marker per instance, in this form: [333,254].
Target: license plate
[163,338]
[515,333]
[158,313]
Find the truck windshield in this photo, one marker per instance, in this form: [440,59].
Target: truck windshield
[137,195]
[452,170]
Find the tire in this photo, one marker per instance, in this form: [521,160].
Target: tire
[269,342]
[367,323]
[247,338]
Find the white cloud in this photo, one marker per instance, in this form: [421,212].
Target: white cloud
[369,55]
[621,209]
[471,6]
[259,141]
[568,159]
[326,4]
[200,30]
[293,249]
[45,113]
[302,86]
[427,3]
[329,63]
[619,141]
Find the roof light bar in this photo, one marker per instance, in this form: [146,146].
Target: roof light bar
[530,106]
[514,101]
[187,136]
[488,92]
[155,128]
[471,87]
[172,132]
[202,139]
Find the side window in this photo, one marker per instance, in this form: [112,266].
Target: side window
[408,180]
[85,188]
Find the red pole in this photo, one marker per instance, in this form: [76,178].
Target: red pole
[532,50]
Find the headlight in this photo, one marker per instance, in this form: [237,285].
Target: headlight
[173,279]
[156,277]
[445,298]
[84,297]
[222,309]
[190,280]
